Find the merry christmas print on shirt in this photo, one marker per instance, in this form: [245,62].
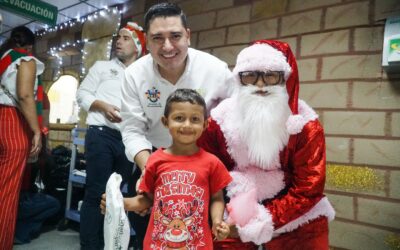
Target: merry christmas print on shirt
[178,214]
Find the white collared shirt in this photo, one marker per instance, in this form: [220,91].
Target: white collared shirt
[144,94]
[103,82]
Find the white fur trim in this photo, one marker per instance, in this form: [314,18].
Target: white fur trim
[262,57]
[295,123]
[322,208]
[132,25]
[259,229]
[306,111]
[267,183]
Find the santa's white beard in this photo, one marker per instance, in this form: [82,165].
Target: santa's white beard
[263,124]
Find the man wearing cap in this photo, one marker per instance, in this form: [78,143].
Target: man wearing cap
[100,95]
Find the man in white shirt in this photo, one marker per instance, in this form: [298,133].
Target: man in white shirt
[100,95]
[170,65]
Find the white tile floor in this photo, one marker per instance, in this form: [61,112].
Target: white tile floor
[53,240]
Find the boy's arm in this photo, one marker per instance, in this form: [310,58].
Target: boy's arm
[138,204]
[219,228]
[217,206]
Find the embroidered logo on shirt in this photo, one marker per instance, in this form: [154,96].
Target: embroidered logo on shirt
[113,72]
[153,95]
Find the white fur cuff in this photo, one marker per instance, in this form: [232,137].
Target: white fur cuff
[240,184]
[259,229]
[295,124]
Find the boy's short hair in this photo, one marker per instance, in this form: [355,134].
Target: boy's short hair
[163,10]
[185,95]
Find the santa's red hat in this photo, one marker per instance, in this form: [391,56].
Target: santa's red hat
[270,55]
[138,37]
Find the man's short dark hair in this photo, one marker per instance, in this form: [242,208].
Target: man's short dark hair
[163,10]
[185,95]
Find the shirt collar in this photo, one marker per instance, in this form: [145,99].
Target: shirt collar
[117,61]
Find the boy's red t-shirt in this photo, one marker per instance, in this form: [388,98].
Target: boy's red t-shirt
[182,186]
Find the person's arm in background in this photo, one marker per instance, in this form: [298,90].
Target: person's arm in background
[26,77]
[86,96]
[134,123]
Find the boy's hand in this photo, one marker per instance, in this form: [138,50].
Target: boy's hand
[138,191]
[220,230]
[139,204]
[103,203]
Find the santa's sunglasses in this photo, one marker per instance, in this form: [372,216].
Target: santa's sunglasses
[269,77]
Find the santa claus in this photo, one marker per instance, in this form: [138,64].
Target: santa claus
[274,147]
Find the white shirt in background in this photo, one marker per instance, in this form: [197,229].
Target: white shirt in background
[103,82]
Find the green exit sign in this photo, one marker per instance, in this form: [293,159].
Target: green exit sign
[32,9]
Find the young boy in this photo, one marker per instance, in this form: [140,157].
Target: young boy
[183,182]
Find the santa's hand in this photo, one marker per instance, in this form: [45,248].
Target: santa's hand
[238,212]
[259,229]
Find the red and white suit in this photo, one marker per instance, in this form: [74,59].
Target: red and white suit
[292,210]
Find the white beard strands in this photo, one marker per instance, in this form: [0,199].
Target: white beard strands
[263,124]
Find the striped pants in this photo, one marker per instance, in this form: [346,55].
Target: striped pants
[15,143]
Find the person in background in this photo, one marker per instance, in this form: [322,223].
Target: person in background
[183,182]
[100,95]
[20,133]
[170,65]
[34,206]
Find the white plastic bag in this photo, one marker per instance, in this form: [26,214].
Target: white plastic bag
[116,223]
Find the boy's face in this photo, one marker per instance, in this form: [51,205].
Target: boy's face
[168,42]
[185,122]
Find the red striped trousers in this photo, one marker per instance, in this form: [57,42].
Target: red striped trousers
[15,143]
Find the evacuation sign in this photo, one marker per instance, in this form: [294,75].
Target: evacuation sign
[32,9]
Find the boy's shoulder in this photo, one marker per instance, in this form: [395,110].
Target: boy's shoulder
[209,156]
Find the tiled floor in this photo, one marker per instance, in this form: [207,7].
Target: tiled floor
[53,240]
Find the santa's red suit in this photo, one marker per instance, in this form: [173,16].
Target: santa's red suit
[291,211]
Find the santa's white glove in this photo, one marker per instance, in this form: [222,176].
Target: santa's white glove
[259,229]
[239,213]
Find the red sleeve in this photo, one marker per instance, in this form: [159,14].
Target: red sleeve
[213,141]
[219,177]
[307,177]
